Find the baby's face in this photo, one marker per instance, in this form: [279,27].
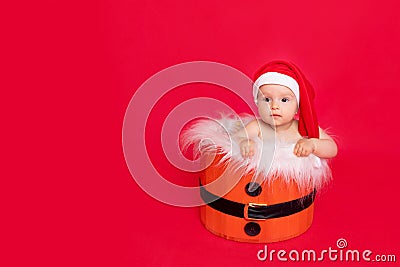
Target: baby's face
[277,104]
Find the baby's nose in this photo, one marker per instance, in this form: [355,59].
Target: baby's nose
[274,105]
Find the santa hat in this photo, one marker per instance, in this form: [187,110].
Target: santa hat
[289,75]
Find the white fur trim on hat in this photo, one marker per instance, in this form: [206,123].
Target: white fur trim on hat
[277,78]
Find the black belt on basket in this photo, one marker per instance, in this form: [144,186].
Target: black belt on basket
[254,211]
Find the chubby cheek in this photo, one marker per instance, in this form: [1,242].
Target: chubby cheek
[265,114]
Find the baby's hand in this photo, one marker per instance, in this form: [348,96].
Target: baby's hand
[304,147]
[247,147]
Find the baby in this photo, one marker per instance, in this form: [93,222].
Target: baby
[261,191]
[284,99]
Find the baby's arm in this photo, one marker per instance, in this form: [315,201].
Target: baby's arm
[323,147]
[244,136]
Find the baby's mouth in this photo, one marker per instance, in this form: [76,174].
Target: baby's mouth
[275,115]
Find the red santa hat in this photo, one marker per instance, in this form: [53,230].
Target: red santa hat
[287,74]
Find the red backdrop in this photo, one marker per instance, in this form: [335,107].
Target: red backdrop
[71,68]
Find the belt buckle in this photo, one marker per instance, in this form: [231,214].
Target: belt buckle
[252,205]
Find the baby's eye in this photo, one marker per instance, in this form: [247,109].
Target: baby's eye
[267,99]
[285,99]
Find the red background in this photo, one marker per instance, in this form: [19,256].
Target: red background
[70,69]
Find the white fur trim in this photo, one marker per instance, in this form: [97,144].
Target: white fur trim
[277,78]
[208,135]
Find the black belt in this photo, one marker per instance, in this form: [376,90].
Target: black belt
[256,211]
